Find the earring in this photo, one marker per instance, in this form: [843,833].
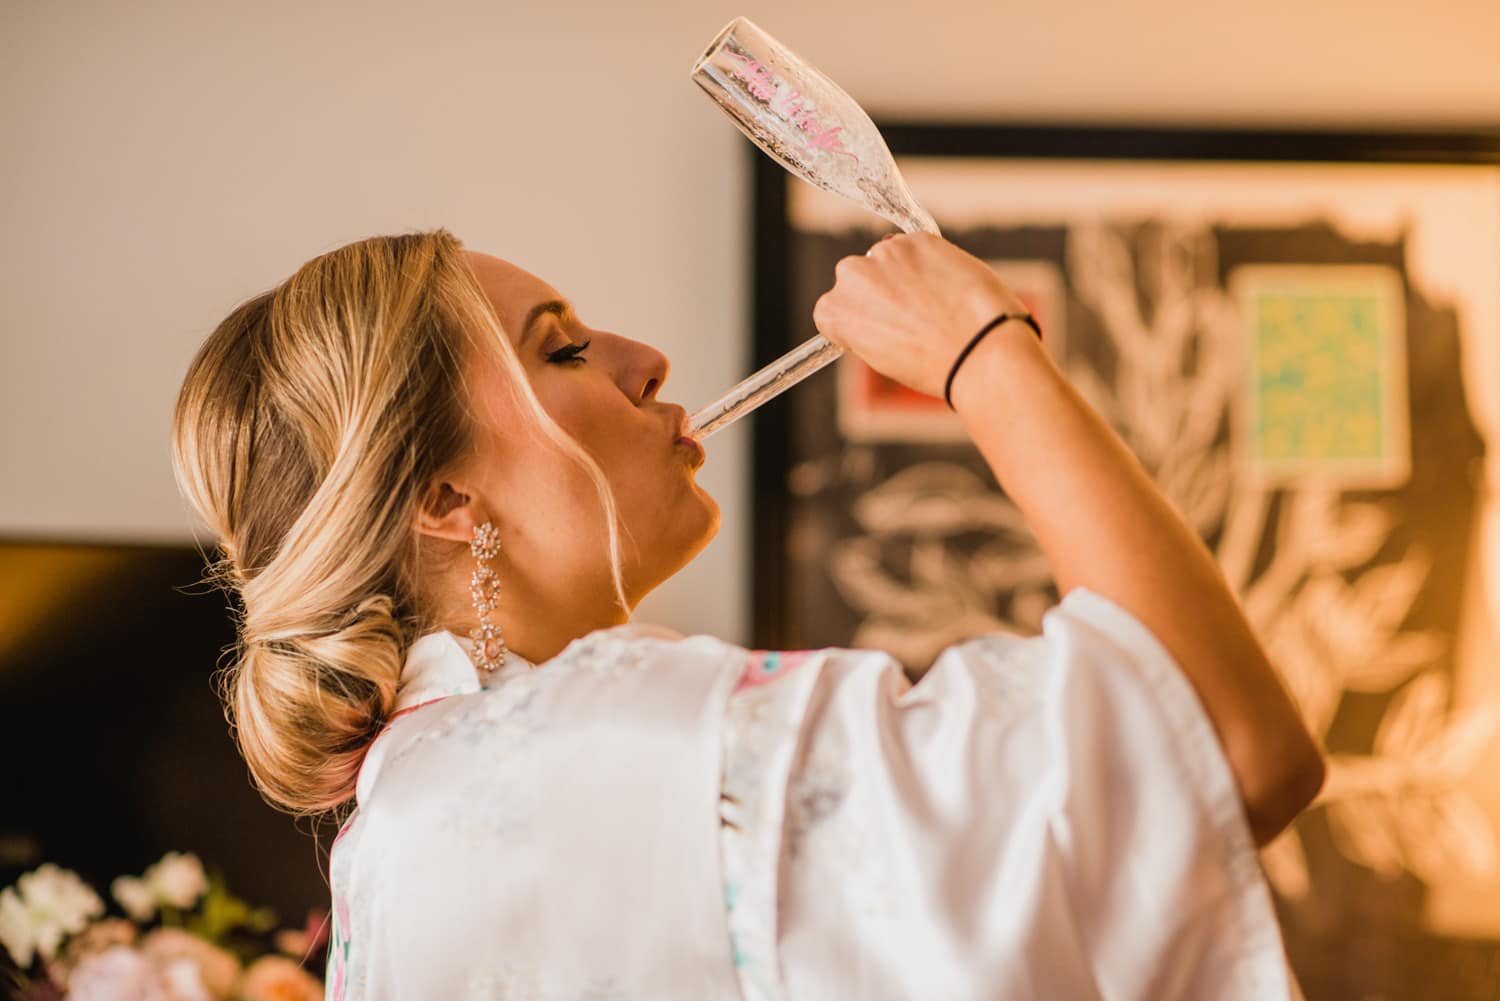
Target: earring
[489,645]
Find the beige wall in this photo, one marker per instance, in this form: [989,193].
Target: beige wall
[162,161]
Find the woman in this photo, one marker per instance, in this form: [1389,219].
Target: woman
[439,493]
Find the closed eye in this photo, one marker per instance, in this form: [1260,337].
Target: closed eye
[568,352]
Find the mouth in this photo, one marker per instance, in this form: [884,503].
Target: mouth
[694,448]
[686,442]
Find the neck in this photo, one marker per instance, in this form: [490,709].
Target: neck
[537,618]
[539,637]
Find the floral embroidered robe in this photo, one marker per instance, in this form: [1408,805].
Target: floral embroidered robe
[648,816]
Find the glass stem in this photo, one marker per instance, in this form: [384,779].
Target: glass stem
[782,374]
[798,363]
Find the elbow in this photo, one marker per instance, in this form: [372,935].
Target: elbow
[1289,786]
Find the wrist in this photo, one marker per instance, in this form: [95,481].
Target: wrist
[974,375]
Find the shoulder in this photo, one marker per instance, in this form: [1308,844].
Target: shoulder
[638,655]
[628,671]
[633,646]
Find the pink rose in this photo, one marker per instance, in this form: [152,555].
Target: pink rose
[276,978]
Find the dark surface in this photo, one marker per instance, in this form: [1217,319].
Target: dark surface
[113,741]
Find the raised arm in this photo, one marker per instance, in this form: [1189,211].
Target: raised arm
[908,308]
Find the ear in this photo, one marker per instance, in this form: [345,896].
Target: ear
[448,511]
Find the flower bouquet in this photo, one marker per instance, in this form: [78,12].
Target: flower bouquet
[184,937]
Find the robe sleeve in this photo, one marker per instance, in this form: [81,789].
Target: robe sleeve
[1035,818]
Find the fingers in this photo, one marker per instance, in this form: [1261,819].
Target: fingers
[844,265]
[877,243]
[823,316]
[904,242]
[891,263]
[850,285]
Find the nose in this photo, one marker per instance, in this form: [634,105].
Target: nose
[647,371]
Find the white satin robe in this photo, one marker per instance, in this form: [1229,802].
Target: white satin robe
[654,817]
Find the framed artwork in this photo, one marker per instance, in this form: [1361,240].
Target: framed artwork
[1298,334]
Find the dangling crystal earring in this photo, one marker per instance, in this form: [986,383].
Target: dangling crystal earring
[489,645]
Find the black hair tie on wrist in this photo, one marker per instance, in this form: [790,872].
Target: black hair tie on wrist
[1003,317]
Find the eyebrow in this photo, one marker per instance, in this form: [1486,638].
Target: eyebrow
[553,307]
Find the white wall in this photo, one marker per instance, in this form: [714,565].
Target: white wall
[161,161]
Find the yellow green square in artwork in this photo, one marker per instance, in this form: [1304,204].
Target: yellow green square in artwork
[1327,374]
[1318,377]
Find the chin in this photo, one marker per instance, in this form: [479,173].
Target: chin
[694,525]
[699,525]
[702,526]
[714,517]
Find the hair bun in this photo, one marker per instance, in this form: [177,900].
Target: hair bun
[307,705]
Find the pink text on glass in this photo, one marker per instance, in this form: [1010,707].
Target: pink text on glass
[762,85]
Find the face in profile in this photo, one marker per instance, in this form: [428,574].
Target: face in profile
[602,389]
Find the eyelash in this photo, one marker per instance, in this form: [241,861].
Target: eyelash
[568,352]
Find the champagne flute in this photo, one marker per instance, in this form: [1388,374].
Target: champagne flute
[805,122]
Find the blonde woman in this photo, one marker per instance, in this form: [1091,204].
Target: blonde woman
[440,492]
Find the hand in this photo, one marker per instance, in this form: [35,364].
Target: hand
[909,305]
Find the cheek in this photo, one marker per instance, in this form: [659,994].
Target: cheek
[535,478]
[622,447]
[653,487]
[615,433]
[591,410]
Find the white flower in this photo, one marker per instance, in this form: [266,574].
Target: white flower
[15,928]
[185,980]
[135,896]
[51,903]
[177,879]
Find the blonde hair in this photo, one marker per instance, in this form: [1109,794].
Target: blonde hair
[308,426]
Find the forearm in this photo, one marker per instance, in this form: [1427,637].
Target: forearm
[1103,525]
